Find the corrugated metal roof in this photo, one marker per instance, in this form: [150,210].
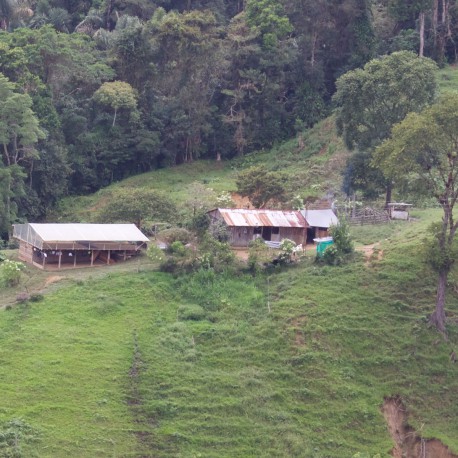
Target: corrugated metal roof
[89,232]
[241,217]
[320,218]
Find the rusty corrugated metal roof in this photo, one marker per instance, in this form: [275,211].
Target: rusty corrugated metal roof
[242,217]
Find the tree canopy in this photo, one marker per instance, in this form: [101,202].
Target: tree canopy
[424,147]
[261,186]
[373,99]
[126,87]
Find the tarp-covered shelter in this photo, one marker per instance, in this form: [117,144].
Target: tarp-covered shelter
[319,222]
[77,245]
[246,225]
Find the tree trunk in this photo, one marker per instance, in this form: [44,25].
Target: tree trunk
[114,117]
[438,316]
[389,189]
[421,18]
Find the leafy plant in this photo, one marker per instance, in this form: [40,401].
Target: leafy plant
[11,272]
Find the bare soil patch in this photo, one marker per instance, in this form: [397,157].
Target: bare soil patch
[53,279]
[408,442]
[297,325]
[368,251]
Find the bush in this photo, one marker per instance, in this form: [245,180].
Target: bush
[178,248]
[11,272]
[155,253]
[175,234]
[258,254]
[342,239]
[36,297]
[332,256]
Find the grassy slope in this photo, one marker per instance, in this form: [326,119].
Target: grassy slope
[107,367]
[112,367]
[314,169]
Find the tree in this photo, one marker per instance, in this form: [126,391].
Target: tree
[361,175]
[424,146]
[137,205]
[19,128]
[261,186]
[373,99]
[117,95]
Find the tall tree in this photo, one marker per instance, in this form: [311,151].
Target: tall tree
[425,147]
[19,127]
[373,99]
[117,95]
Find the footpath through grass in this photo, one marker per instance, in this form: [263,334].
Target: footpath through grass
[143,364]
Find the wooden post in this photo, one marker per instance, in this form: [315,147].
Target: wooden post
[44,259]
[92,258]
[125,255]
[74,259]
[60,259]
[108,257]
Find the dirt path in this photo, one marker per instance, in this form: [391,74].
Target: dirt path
[53,279]
[368,251]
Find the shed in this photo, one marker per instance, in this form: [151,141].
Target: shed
[57,246]
[399,210]
[246,225]
[319,222]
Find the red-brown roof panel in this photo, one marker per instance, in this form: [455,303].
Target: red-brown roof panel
[241,217]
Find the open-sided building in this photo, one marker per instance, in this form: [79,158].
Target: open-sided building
[58,246]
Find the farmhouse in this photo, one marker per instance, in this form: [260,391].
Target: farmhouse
[318,223]
[271,225]
[58,246]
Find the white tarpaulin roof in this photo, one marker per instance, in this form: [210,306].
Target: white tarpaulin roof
[320,218]
[82,232]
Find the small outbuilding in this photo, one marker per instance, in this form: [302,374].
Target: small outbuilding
[58,246]
[246,225]
[399,210]
[319,222]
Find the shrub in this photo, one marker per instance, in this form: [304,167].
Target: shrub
[11,272]
[342,239]
[175,234]
[155,253]
[178,248]
[36,297]
[258,254]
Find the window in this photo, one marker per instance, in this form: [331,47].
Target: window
[275,230]
[258,230]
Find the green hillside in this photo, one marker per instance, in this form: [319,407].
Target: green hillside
[127,361]
[313,162]
[296,364]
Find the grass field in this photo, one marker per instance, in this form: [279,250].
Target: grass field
[141,363]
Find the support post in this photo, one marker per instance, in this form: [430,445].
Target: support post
[60,259]
[92,258]
[74,259]
[108,257]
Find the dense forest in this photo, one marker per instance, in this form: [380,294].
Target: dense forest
[95,91]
